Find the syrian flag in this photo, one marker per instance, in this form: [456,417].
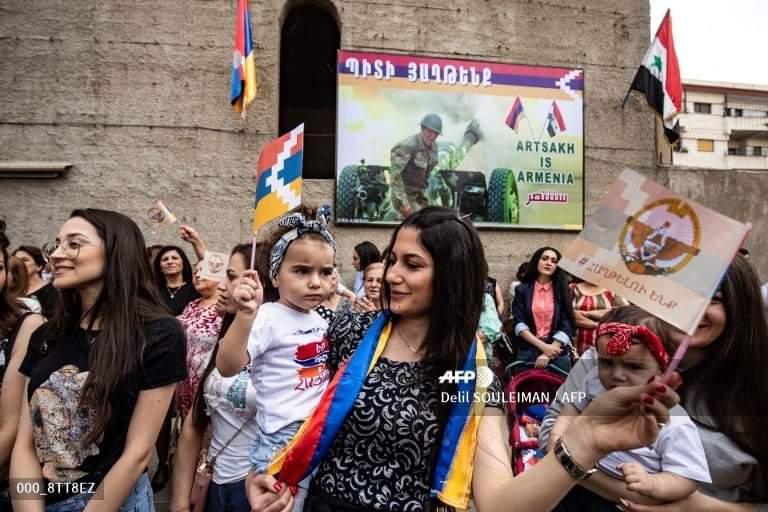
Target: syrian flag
[659,78]
[555,120]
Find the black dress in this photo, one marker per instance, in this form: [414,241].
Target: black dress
[382,456]
[177,298]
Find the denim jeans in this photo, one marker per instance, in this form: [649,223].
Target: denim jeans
[227,497]
[140,499]
[266,446]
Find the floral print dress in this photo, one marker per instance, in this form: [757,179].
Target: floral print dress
[201,325]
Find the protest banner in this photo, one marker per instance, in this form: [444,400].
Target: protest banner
[509,146]
[657,249]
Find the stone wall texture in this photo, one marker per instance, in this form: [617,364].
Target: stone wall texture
[135,95]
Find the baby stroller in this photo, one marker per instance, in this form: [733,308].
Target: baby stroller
[530,391]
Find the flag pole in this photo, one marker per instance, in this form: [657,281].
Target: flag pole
[626,97]
[253,252]
[679,354]
[543,127]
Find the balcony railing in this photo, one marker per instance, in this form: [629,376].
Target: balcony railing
[746,124]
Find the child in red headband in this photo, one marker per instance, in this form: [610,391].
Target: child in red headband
[630,354]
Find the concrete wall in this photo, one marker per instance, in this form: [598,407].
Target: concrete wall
[135,95]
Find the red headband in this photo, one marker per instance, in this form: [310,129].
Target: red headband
[621,340]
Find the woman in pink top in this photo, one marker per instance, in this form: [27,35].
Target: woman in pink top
[201,323]
[542,313]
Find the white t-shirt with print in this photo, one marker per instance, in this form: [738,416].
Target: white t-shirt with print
[289,353]
[230,402]
[677,449]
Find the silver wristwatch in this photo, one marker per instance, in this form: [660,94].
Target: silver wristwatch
[565,458]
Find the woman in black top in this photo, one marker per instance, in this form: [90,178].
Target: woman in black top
[101,374]
[44,292]
[384,453]
[173,276]
[16,325]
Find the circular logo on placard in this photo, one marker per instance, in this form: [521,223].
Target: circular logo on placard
[155,214]
[215,264]
[661,238]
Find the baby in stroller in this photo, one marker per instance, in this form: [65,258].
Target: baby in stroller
[630,354]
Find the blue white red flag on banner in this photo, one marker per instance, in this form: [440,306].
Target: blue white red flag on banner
[278,177]
[515,115]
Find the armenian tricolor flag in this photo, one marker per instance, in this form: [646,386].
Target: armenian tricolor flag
[278,177]
[243,89]
[452,477]
[515,114]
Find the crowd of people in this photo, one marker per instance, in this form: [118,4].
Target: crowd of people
[296,392]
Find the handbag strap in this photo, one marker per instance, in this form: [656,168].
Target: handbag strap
[213,459]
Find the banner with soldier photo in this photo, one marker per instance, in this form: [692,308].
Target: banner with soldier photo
[502,143]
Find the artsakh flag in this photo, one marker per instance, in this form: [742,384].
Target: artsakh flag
[659,78]
[278,177]
[243,89]
[515,115]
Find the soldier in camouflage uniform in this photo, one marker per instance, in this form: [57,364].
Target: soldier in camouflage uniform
[412,162]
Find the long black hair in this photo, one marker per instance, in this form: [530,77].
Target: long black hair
[560,288]
[127,301]
[457,284]
[10,308]
[368,253]
[728,387]
[35,253]
[186,266]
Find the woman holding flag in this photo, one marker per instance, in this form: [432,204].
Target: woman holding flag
[393,430]
[726,394]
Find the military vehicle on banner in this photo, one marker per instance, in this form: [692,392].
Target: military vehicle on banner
[362,191]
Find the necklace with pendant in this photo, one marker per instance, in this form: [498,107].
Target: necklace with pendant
[173,291]
[412,349]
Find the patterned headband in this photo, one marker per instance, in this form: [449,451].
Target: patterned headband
[300,226]
[621,340]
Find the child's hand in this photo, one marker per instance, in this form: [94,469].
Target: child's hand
[638,480]
[249,294]
[541,362]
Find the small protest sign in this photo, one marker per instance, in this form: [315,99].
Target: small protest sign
[214,266]
[656,248]
[160,216]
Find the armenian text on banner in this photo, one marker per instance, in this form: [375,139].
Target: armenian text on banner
[278,177]
[501,143]
[659,250]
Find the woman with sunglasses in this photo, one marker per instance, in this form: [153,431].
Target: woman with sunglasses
[100,375]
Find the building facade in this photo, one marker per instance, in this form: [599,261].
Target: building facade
[723,126]
[132,97]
